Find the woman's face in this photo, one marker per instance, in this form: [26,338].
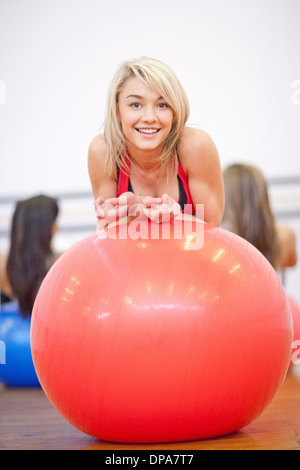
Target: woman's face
[146,118]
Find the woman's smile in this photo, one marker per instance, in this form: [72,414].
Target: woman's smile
[148,132]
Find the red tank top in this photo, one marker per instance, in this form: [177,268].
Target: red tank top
[187,207]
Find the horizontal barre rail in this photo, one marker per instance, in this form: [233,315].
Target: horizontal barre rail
[62,196]
[65,228]
[273,181]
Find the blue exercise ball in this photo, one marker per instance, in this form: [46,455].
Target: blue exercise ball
[16,366]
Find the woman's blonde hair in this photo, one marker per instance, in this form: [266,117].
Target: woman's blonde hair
[162,79]
[247,209]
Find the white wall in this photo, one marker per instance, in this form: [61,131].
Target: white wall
[238,60]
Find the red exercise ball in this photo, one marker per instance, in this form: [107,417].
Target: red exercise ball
[147,340]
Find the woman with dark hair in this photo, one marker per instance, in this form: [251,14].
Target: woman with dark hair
[248,214]
[30,255]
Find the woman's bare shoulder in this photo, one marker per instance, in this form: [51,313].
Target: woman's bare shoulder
[194,139]
[101,185]
[197,146]
[97,147]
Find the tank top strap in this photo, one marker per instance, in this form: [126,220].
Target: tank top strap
[123,178]
[189,209]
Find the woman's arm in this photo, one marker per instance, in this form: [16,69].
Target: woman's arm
[101,186]
[109,207]
[5,286]
[200,161]
[287,247]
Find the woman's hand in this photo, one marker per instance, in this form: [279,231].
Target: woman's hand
[167,210]
[108,211]
[158,210]
[128,204]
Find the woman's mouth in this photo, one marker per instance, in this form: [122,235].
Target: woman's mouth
[147,131]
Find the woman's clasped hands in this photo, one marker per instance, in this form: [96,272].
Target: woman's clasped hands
[158,210]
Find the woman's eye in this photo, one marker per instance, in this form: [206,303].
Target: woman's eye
[135,105]
[163,105]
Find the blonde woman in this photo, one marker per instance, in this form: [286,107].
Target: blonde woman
[248,214]
[147,156]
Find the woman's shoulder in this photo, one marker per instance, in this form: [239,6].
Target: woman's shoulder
[196,145]
[194,138]
[101,184]
[97,155]
[98,146]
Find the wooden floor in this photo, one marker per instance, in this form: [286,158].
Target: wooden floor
[28,421]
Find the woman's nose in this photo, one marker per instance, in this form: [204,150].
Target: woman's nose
[149,114]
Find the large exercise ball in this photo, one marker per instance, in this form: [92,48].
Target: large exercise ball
[16,366]
[144,340]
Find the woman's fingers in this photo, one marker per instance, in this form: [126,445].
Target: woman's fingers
[161,209]
[150,201]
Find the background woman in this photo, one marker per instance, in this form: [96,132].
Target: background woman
[248,213]
[30,255]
